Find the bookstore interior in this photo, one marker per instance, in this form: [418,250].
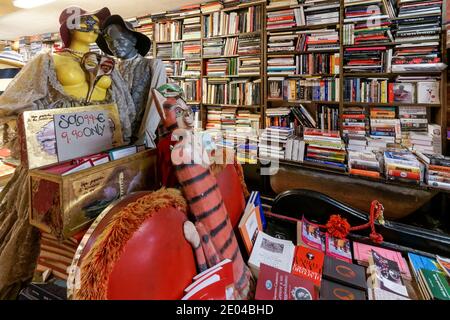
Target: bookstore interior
[224,150]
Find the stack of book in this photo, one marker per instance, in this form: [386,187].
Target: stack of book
[168,31]
[249,66]
[355,124]
[247,122]
[211,7]
[432,279]
[418,34]
[249,45]
[437,169]
[368,90]
[213,47]
[322,12]
[278,117]
[192,28]
[402,166]
[192,68]
[213,118]
[272,142]
[367,59]
[328,118]
[192,50]
[318,40]
[247,151]
[384,125]
[413,119]
[281,65]
[325,148]
[282,41]
[366,24]
[426,142]
[228,119]
[363,164]
[221,67]
[164,51]
[287,18]
[273,4]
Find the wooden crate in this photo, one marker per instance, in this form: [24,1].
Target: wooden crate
[64,205]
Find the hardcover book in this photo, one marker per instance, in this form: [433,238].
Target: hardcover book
[336,291]
[436,284]
[308,264]
[275,284]
[346,273]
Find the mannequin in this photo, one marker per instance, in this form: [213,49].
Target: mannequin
[67,64]
[47,82]
[119,38]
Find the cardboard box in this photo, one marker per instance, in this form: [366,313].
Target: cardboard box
[66,204]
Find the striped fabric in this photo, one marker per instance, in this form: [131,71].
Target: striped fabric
[6,75]
[56,256]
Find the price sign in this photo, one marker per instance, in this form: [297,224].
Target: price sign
[80,134]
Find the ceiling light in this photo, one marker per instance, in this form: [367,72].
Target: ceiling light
[27,4]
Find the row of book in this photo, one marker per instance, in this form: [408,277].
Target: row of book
[313,89]
[406,90]
[179,50]
[229,118]
[223,91]
[221,23]
[315,63]
[220,47]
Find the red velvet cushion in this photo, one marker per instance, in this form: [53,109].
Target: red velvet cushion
[157,262]
[232,194]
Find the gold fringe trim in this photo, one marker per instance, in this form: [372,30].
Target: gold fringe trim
[99,262]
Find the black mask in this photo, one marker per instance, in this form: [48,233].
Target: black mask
[121,42]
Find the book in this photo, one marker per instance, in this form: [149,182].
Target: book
[122,152]
[436,285]
[336,291]
[308,264]
[275,284]
[445,264]
[419,262]
[349,274]
[216,283]
[273,252]
[250,224]
[362,252]
[77,168]
[382,295]
[428,92]
[385,274]
[338,248]
[309,234]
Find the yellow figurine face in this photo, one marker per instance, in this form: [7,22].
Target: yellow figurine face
[87,31]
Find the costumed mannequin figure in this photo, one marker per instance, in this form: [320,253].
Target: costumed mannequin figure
[212,237]
[46,82]
[119,38]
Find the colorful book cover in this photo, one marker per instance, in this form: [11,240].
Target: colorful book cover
[312,236]
[445,264]
[386,274]
[308,264]
[420,262]
[336,291]
[338,248]
[437,284]
[351,275]
[362,252]
[275,284]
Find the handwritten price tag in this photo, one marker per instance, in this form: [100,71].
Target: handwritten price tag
[82,133]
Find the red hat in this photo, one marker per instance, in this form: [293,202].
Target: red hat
[76,12]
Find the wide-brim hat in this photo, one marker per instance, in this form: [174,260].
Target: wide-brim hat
[143,43]
[75,12]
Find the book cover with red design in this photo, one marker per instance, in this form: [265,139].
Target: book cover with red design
[308,264]
[275,284]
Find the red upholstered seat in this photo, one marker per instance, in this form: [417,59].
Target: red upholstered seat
[232,193]
[157,262]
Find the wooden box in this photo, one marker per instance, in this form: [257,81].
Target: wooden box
[65,204]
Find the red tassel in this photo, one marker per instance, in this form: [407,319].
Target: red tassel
[338,227]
